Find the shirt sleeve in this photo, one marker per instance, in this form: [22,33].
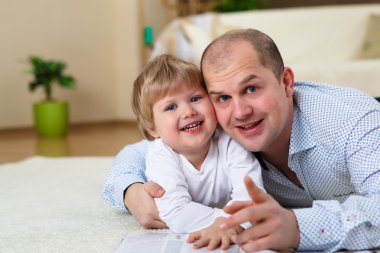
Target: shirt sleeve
[176,208]
[355,223]
[127,168]
[240,163]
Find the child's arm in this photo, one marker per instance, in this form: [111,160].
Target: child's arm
[176,208]
[213,236]
[239,162]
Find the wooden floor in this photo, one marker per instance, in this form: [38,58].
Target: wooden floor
[98,139]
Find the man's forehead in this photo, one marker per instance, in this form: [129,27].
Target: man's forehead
[217,58]
[222,54]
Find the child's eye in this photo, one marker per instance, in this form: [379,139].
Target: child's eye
[171,107]
[223,98]
[251,89]
[195,98]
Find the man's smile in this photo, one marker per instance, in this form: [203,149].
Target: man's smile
[251,127]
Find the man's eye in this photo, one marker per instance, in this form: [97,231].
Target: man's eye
[251,89]
[195,98]
[171,107]
[223,98]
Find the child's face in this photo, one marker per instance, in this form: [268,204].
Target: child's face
[185,120]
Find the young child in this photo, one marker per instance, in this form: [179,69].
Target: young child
[200,168]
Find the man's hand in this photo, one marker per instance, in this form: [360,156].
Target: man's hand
[213,236]
[273,227]
[139,200]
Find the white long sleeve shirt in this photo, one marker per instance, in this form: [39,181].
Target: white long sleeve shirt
[194,198]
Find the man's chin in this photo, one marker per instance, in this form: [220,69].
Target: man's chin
[244,140]
[249,144]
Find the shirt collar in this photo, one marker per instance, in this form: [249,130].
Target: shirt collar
[302,137]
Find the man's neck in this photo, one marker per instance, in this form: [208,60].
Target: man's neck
[278,154]
[279,159]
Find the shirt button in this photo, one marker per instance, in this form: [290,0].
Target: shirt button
[323,234]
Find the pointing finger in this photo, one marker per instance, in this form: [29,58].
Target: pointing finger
[256,194]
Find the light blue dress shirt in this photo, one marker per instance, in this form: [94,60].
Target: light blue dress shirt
[335,153]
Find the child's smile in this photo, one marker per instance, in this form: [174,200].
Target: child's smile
[185,120]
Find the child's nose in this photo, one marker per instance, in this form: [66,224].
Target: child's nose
[189,111]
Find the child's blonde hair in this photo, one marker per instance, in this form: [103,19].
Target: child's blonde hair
[162,75]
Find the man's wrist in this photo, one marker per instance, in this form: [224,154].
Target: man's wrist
[131,186]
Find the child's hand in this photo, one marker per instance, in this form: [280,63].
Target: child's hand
[213,236]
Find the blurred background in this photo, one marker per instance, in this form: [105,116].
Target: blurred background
[104,47]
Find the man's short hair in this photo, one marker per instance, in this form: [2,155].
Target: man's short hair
[268,53]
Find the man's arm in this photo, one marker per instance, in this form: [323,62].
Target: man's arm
[355,223]
[127,168]
[124,186]
[328,225]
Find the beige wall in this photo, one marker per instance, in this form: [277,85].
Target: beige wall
[98,39]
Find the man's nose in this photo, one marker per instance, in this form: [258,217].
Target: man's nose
[242,109]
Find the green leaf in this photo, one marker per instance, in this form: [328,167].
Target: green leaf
[234,5]
[67,82]
[48,72]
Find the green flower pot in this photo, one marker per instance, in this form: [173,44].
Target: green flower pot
[51,118]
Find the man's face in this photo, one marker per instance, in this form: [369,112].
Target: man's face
[251,104]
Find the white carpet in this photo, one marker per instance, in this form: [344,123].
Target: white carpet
[55,205]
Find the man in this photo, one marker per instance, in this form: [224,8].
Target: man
[319,148]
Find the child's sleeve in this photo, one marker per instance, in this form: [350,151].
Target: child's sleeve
[176,208]
[240,163]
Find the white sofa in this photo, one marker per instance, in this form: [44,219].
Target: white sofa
[322,44]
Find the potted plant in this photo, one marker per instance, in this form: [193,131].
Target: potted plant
[51,116]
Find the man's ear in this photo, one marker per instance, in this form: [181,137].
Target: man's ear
[288,80]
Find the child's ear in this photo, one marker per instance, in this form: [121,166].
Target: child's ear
[153,133]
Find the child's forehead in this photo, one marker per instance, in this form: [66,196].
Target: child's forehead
[178,91]
[175,89]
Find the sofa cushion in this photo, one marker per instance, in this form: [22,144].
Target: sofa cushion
[220,28]
[371,42]
[310,34]
[197,38]
[359,74]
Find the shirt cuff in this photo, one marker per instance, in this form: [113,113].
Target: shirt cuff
[320,226]
[122,184]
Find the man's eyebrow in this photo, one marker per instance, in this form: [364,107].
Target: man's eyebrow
[214,93]
[243,81]
[248,78]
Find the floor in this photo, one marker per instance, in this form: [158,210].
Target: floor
[98,139]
